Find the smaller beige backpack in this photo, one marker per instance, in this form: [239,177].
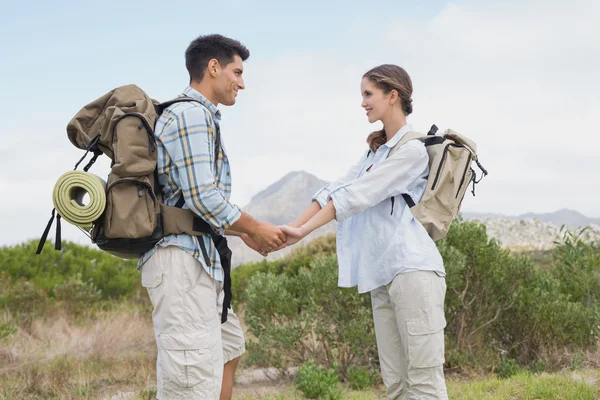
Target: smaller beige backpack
[450,173]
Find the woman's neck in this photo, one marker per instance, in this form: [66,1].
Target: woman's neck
[393,124]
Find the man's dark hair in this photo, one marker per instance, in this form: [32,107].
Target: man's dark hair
[205,48]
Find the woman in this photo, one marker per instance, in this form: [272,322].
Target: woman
[382,248]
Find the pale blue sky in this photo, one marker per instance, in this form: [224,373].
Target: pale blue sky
[517,77]
[63,50]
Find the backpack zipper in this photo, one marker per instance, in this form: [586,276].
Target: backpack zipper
[437,175]
[141,186]
[146,125]
[462,180]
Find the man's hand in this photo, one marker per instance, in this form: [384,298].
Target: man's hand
[252,244]
[267,237]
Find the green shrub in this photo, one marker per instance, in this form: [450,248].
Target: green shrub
[7,328]
[25,301]
[77,297]
[576,264]
[114,276]
[361,378]
[317,382]
[299,259]
[308,317]
[507,368]
[501,302]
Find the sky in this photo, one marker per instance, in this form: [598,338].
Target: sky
[519,78]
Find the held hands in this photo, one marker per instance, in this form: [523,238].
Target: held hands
[265,238]
[294,235]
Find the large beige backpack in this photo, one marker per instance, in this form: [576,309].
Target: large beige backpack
[450,173]
[120,124]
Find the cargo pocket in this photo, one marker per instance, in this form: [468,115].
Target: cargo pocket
[426,341]
[151,275]
[187,361]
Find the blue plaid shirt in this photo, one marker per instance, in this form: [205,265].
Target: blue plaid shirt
[185,137]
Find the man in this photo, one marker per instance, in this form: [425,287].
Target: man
[184,275]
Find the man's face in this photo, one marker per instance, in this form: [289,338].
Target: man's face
[229,81]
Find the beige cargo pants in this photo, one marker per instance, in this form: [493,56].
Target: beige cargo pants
[409,326]
[192,343]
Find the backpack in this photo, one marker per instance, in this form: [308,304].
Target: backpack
[120,124]
[450,173]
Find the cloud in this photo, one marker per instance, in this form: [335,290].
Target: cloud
[519,78]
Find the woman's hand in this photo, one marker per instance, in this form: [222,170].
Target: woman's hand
[294,235]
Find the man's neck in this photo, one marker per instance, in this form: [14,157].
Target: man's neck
[205,90]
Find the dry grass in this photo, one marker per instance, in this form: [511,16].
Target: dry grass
[60,359]
[113,355]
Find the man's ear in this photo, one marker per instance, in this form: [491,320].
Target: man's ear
[213,68]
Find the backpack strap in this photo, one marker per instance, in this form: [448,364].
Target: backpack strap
[160,107]
[407,138]
[182,99]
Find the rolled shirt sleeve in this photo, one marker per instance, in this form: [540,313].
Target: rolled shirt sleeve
[194,157]
[389,178]
[322,195]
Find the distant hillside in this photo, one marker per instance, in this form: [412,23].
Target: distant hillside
[285,199]
[569,218]
[280,203]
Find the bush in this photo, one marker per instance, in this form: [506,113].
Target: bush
[361,378]
[498,306]
[492,295]
[299,259]
[25,301]
[114,276]
[576,264]
[7,328]
[317,382]
[307,317]
[77,297]
[508,367]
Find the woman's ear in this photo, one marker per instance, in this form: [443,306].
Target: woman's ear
[393,96]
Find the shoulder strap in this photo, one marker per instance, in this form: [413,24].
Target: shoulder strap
[407,138]
[160,107]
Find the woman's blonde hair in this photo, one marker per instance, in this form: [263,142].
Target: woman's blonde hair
[388,77]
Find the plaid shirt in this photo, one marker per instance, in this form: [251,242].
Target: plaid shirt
[185,137]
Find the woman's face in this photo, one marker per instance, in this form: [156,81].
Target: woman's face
[374,101]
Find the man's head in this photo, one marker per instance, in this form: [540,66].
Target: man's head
[214,63]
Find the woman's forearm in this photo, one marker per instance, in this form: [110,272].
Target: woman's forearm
[323,217]
[310,211]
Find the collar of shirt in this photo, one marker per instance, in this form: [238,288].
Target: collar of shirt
[396,138]
[194,94]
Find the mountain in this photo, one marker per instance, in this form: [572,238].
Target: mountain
[285,199]
[280,203]
[569,218]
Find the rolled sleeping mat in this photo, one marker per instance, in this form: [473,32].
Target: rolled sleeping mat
[68,196]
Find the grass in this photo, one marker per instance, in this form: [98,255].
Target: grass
[528,387]
[114,352]
[518,387]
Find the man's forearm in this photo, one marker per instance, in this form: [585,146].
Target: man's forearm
[245,224]
[231,232]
